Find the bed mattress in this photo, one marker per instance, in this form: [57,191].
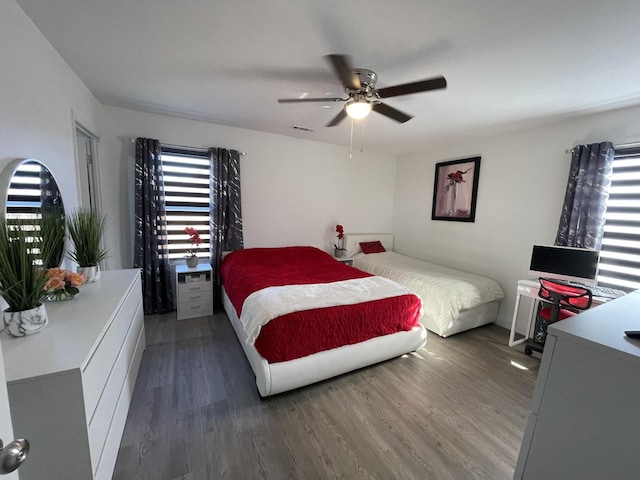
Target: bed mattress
[449,296]
[377,329]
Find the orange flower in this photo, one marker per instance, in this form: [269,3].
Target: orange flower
[56,272]
[76,279]
[55,283]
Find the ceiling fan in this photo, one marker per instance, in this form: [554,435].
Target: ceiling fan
[360,86]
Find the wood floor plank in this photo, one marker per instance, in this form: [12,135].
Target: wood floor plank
[455,409]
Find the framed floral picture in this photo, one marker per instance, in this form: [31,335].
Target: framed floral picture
[455,190]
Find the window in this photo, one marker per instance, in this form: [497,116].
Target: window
[619,265]
[186,184]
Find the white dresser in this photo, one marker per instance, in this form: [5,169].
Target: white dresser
[584,422]
[194,291]
[70,385]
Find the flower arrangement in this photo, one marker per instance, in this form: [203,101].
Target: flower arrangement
[62,284]
[194,238]
[340,235]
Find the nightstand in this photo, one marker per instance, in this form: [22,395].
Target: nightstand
[194,291]
[345,260]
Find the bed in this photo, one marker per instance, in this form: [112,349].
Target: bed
[453,300]
[302,317]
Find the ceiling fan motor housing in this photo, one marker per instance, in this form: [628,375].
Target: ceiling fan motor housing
[367,79]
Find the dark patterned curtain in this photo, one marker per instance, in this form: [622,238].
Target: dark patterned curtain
[226,214]
[151,254]
[585,202]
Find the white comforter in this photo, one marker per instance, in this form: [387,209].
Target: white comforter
[444,291]
[264,305]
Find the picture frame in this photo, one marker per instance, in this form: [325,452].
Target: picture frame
[455,190]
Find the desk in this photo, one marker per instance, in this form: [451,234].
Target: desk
[584,420]
[529,288]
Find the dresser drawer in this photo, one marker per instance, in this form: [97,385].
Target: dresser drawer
[101,421]
[100,363]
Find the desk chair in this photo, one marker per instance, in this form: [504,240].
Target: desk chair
[566,301]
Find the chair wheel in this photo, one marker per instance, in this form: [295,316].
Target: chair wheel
[528,351]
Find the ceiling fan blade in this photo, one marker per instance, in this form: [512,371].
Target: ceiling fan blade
[337,119]
[435,83]
[391,112]
[303,100]
[342,67]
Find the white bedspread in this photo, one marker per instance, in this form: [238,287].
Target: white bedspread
[264,305]
[444,291]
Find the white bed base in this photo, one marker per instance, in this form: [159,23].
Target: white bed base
[273,378]
[467,319]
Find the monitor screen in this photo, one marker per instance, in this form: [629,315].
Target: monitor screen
[564,263]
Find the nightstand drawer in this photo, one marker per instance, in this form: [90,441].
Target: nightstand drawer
[195,296]
[195,309]
[191,288]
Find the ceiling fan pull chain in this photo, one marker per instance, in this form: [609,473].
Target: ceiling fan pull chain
[362,138]
[351,141]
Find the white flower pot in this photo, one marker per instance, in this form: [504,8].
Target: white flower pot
[192,262]
[26,322]
[92,273]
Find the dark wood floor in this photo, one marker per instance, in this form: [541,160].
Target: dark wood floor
[454,410]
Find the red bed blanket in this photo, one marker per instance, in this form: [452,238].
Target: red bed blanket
[303,333]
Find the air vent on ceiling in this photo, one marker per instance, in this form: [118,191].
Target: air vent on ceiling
[300,127]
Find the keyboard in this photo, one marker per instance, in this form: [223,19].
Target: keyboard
[598,291]
[606,292]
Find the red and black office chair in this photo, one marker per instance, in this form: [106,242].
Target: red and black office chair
[566,301]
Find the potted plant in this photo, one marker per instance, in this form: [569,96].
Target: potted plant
[194,238]
[86,227]
[52,232]
[339,250]
[21,281]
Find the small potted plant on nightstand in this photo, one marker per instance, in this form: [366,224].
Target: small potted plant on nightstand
[86,227]
[21,282]
[339,250]
[194,237]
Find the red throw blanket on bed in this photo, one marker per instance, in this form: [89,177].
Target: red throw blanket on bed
[303,333]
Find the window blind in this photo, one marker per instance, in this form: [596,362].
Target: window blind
[619,265]
[186,183]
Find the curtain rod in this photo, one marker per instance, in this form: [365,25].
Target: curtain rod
[620,145]
[186,147]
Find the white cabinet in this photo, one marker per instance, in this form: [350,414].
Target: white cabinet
[194,291]
[585,413]
[70,385]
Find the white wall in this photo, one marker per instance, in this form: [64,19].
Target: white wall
[39,96]
[523,177]
[293,191]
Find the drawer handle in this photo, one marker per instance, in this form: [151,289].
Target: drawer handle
[195,297]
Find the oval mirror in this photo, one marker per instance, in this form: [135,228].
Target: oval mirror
[31,197]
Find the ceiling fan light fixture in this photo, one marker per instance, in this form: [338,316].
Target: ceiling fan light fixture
[358,109]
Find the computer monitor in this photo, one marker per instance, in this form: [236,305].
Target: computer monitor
[564,263]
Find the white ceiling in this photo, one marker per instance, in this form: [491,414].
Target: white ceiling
[507,62]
